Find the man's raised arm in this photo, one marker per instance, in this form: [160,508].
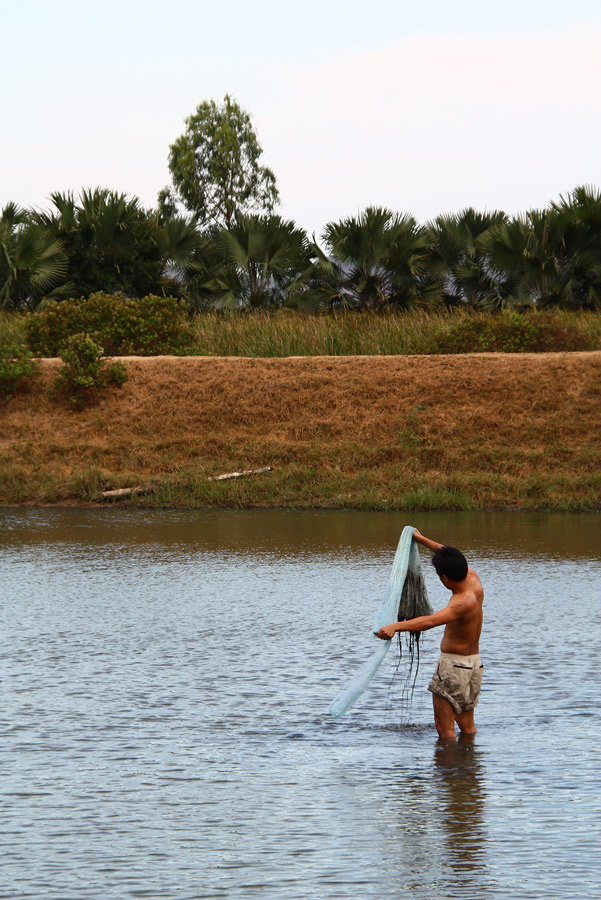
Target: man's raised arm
[426,542]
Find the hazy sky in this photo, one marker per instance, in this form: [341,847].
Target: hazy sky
[423,107]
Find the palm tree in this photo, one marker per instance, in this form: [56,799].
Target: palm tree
[364,246]
[258,262]
[408,264]
[180,244]
[512,265]
[383,259]
[33,265]
[544,234]
[207,281]
[458,260]
[579,254]
[112,243]
[320,284]
[541,258]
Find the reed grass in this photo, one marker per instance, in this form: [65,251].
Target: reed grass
[12,329]
[287,333]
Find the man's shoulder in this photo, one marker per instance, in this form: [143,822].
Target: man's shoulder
[466,598]
[473,580]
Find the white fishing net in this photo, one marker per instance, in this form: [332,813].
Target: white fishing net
[405,598]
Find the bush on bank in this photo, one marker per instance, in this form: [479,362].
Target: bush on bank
[17,369]
[140,326]
[84,371]
[512,332]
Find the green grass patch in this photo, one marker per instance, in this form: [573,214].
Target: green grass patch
[437,498]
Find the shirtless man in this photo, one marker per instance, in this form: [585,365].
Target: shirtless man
[456,683]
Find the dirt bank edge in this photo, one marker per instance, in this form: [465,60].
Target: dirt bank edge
[475,431]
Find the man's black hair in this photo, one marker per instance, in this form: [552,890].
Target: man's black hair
[451,562]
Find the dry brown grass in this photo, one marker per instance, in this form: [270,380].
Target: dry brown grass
[485,430]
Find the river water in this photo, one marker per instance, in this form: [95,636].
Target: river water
[165,730]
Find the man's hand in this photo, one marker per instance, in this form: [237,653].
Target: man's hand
[387,633]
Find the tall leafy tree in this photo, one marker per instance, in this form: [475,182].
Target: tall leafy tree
[33,265]
[215,167]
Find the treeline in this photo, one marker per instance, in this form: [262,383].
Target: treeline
[378,260]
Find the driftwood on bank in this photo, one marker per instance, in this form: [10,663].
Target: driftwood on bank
[123,492]
[120,493]
[240,474]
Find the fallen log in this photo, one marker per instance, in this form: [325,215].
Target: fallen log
[240,474]
[122,492]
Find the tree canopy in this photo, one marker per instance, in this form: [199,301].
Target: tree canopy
[104,241]
[215,167]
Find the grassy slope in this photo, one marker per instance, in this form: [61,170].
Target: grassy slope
[473,431]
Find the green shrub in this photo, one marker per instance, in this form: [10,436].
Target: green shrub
[144,326]
[516,333]
[85,371]
[17,369]
[507,332]
[116,372]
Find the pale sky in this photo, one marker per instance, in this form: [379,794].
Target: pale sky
[422,107]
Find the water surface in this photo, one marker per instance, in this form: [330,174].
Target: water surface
[166,680]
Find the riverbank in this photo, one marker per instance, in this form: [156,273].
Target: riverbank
[477,431]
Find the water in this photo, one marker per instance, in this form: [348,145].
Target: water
[166,679]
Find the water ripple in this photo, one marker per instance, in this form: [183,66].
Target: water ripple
[165,730]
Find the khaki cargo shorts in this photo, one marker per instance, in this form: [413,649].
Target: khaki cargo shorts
[458,679]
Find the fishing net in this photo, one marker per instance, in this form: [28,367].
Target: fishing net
[405,598]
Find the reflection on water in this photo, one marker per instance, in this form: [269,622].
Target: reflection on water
[459,780]
[523,535]
[166,679]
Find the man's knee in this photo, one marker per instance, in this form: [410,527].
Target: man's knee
[444,717]
[465,721]
[446,734]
